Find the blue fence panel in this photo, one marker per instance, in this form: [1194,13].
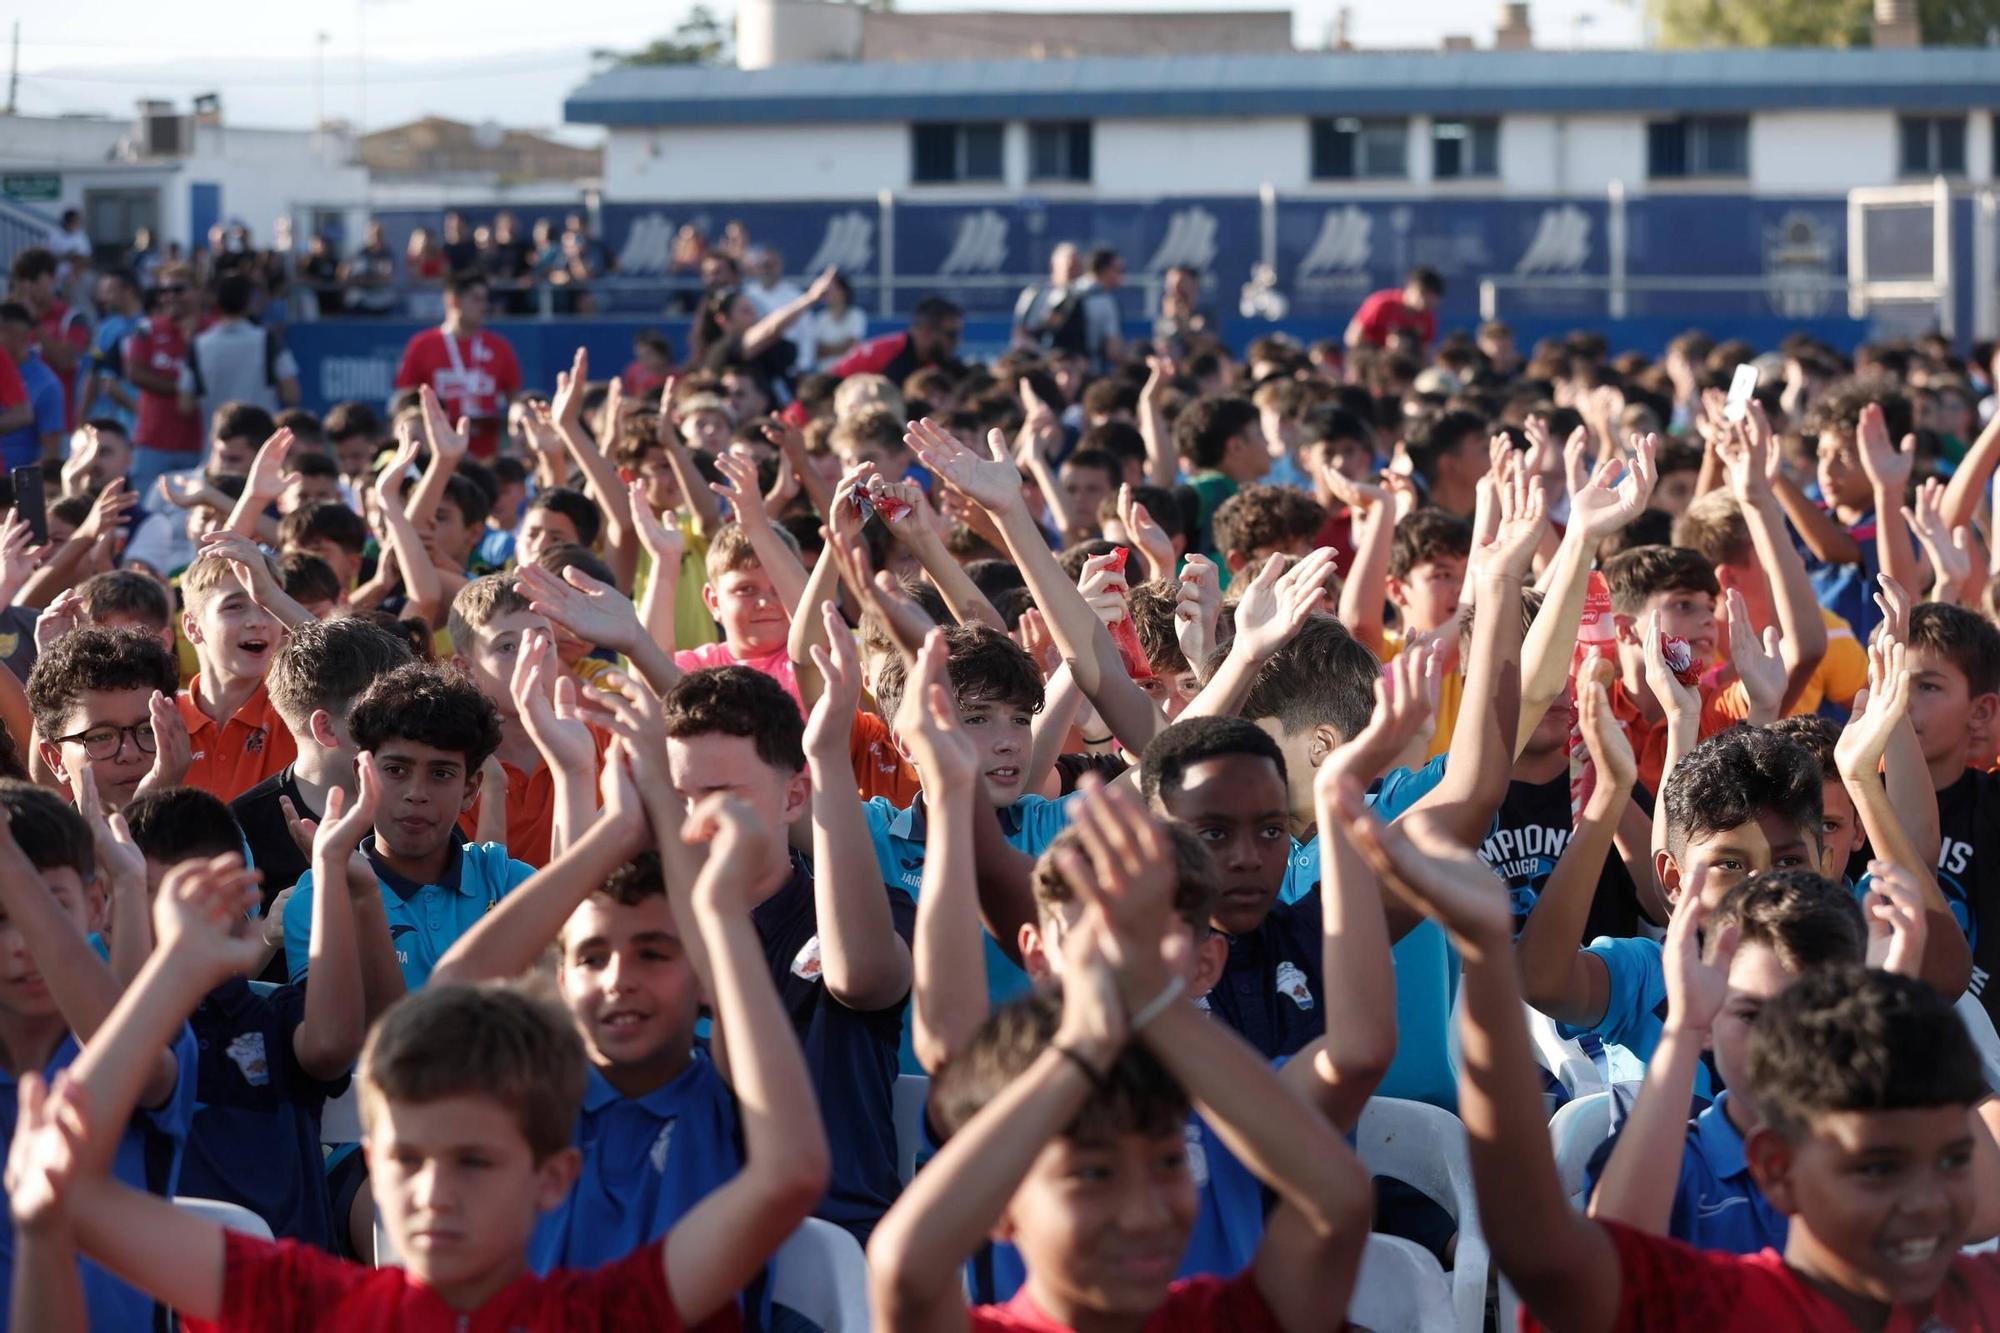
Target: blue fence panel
[1798,244]
[1332,252]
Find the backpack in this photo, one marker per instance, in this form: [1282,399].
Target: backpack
[1064,327]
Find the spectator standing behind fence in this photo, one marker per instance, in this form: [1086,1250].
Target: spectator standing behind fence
[370,276]
[1388,313]
[472,369]
[61,335]
[837,327]
[320,272]
[106,391]
[237,361]
[1041,305]
[168,437]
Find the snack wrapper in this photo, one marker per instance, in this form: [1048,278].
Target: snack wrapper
[1680,659]
[876,498]
[1122,633]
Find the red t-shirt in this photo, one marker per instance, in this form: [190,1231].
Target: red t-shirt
[1384,313]
[1665,1284]
[1194,1304]
[474,377]
[284,1285]
[13,393]
[61,326]
[158,346]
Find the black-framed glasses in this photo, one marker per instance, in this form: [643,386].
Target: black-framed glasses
[106,742]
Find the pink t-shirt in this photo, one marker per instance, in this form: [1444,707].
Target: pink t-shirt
[776,664]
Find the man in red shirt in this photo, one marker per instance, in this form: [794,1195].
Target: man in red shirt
[15,409]
[931,340]
[1389,312]
[166,438]
[60,332]
[472,369]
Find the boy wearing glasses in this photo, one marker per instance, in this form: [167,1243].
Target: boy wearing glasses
[103,702]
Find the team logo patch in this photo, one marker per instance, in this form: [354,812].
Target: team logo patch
[806,966]
[1197,1155]
[1292,983]
[255,745]
[247,1050]
[661,1145]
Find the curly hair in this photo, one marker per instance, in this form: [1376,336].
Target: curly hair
[431,705]
[91,658]
[1738,776]
[737,701]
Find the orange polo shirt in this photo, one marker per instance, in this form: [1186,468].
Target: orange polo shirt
[1649,741]
[531,807]
[879,767]
[236,754]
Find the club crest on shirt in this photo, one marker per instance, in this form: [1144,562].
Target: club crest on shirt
[255,745]
[1197,1155]
[1292,983]
[247,1050]
[657,1155]
[806,966]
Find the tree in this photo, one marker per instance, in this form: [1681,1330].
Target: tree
[1814,22]
[702,38]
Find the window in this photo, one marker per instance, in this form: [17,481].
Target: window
[1461,148]
[1059,150]
[951,151]
[1351,147]
[1698,146]
[1933,145]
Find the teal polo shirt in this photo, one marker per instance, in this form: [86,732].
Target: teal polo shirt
[425,920]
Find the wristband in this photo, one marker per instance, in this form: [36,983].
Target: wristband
[1096,740]
[1089,1070]
[1157,1005]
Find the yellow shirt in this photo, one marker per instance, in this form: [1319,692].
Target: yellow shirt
[1451,690]
[694,626]
[1839,675]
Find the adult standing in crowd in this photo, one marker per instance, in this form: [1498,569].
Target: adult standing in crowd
[237,361]
[471,367]
[1410,310]
[120,312]
[61,335]
[1043,305]
[168,434]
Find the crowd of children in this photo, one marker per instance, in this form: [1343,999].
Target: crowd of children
[1155,759]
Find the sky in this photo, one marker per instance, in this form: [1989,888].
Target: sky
[378,63]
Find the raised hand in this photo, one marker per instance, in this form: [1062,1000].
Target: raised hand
[1360,496]
[831,725]
[927,722]
[662,541]
[1402,706]
[545,701]
[18,558]
[200,915]
[1888,467]
[1104,587]
[1609,747]
[566,408]
[1756,660]
[51,1130]
[538,430]
[107,511]
[1898,925]
[822,284]
[1123,865]
[389,481]
[61,616]
[119,857]
[1432,872]
[85,449]
[1865,739]
[1142,532]
[185,490]
[595,612]
[738,849]
[447,441]
[1697,988]
[173,751]
[1576,459]
[337,837]
[1197,607]
[1747,461]
[991,481]
[1894,603]
[1949,549]
[739,488]
[906,622]
[1274,605]
[1523,519]
[267,469]
[1676,700]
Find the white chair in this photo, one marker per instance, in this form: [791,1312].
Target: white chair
[1424,1147]
[1575,1133]
[234,1216]
[911,1092]
[1401,1289]
[1562,1057]
[820,1272]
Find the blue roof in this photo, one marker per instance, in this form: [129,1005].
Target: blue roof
[1355,83]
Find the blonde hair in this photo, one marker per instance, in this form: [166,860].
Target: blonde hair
[202,579]
[478,604]
[730,550]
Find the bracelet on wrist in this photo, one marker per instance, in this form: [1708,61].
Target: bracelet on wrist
[1090,1071]
[1097,740]
[1158,1005]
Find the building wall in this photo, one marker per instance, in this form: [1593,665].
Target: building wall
[1791,153]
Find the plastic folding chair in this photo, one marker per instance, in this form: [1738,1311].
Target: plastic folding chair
[1401,1289]
[821,1273]
[1575,1133]
[1424,1147]
[912,1091]
[234,1216]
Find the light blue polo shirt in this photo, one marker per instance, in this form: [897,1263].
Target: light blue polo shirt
[425,920]
[148,1158]
[1426,969]
[1717,1205]
[646,1161]
[1635,1010]
[1029,825]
